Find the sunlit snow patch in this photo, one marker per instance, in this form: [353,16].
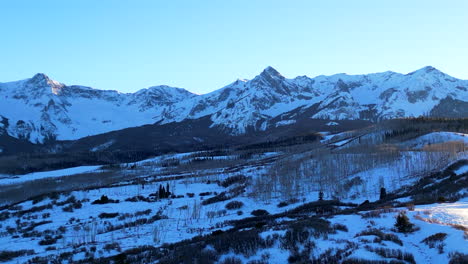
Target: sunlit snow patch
[285,122]
[10,179]
[436,138]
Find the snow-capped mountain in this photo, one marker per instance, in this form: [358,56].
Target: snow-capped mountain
[39,108]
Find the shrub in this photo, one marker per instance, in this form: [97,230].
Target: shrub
[7,255]
[139,198]
[68,208]
[183,207]
[104,200]
[4,215]
[210,214]
[50,248]
[48,240]
[403,223]
[381,236]
[340,227]
[231,260]
[72,204]
[108,215]
[377,213]
[38,199]
[54,196]
[259,212]
[112,246]
[393,253]
[145,212]
[215,199]
[77,205]
[366,261]
[288,202]
[233,179]
[70,199]
[410,206]
[34,209]
[245,242]
[234,205]
[441,199]
[458,258]
[62,229]
[435,240]
[293,238]
[220,213]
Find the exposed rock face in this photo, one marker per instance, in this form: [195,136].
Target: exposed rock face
[40,108]
[449,107]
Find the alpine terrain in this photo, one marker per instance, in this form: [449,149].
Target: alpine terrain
[40,109]
[363,169]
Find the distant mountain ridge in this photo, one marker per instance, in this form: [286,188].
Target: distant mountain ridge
[40,109]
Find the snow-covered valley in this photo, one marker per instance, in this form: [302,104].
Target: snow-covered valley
[261,206]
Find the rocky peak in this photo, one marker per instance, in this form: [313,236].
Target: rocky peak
[269,80]
[40,80]
[425,71]
[164,93]
[271,72]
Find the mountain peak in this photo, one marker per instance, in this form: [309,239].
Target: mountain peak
[428,69]
[40,77]
[42,80]
[270,71]
[425,70]
[165,89]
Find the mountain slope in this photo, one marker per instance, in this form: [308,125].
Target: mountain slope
[39,108]
[52,110]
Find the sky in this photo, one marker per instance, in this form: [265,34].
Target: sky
[204,45]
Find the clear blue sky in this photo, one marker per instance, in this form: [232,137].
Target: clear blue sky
[204,45]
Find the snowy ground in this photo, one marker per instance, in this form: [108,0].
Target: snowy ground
[15,179]
[362,244]
[58,224]
[451,213]
[436,137]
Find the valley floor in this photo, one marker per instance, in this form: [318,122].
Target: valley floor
[209,207]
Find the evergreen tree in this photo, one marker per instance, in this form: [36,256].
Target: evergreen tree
[383,193]
[320,196]
[161,192]
[403,223]
[167,190]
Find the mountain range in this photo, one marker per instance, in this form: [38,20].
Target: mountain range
[41,110]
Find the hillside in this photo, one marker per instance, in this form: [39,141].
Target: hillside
[257,203]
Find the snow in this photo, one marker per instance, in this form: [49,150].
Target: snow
[181,223]
[103,146]
[78,111]
[461,170]
[448,213]
[15,179]
[435,138]
[285,122]
[412,241]
[342,142]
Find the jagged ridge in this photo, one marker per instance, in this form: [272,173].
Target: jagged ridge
[40,108]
